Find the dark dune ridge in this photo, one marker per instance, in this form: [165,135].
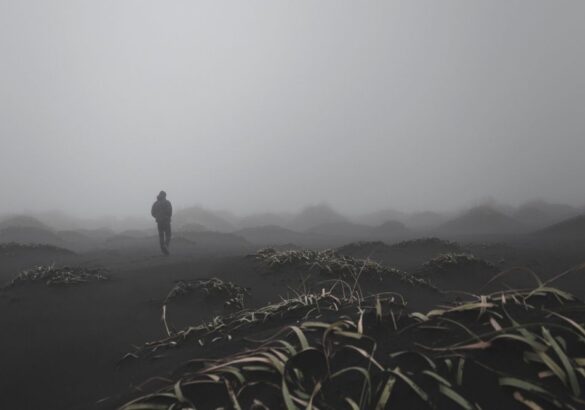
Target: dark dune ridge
[318,226]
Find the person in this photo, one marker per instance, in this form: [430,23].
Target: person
[162,210]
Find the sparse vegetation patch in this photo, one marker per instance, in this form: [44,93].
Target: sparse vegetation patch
[12,247]
[233,295]
[55,276]
[515,348]
[330,263]
[354,247]
[449,261]
[340,300]
[428,243]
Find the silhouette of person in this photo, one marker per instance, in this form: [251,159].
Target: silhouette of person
[162,210]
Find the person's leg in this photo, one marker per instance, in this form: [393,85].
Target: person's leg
[161,237]
[168,235]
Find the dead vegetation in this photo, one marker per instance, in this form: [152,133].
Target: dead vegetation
[231,294]
[8,248]
[428,243]
[340,299]
[59,276]
[332,264]
[361,246]
[516,348]
[450,261]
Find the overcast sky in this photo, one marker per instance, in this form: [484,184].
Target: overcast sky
[271,105]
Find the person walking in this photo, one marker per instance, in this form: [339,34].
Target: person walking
[162,210]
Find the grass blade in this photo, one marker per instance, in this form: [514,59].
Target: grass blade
[456,397]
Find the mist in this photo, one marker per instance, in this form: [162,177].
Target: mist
[269,106]
[350,186]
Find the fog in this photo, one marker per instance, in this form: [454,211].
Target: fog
[271,105]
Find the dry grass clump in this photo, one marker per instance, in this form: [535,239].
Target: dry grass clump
[506,349]
[330,263]
[11,247]
[354,247]
[233,295]
[427,243]
[298,307]
[63,276]
[448,261]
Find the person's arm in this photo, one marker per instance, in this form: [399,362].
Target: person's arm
[170,209]
[152,210]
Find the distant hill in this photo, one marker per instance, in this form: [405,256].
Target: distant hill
[192,227]
[317,225]
[27,235]
[120,240]
[216,241]
[572,228]
[78,241]
[425,220]
[342,228]
[313,216]
[348,231]
[406,254]
[540,214]
[210,219]
[272,235]
[265,219]
[59,220]
[182,243]
[22,221]
[139,233]
[379,217]
[390,229]
[481,220]
[98,235]
[88,239]
[324,235]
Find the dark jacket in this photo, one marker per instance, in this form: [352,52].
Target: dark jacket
[162,210]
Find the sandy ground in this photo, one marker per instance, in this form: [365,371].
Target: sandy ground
[60,347]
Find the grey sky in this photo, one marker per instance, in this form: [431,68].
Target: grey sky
[270,105]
